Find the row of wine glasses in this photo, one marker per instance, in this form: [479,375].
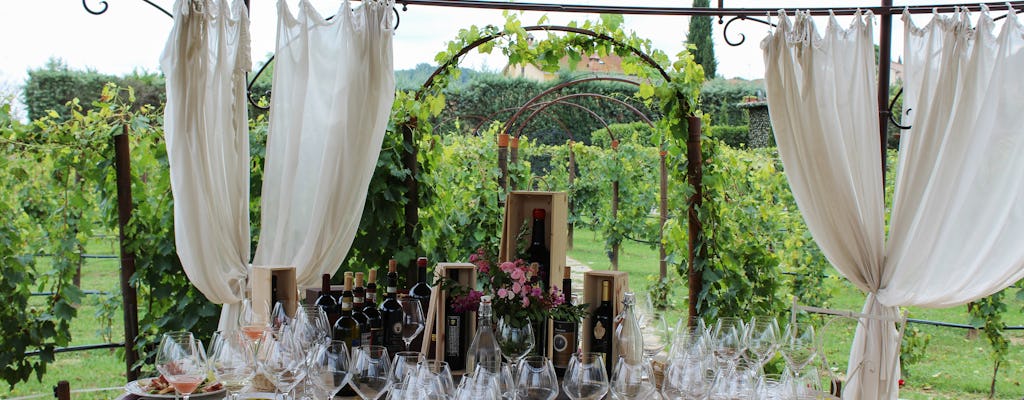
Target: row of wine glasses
[726,361]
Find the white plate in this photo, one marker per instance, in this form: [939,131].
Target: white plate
[138,388]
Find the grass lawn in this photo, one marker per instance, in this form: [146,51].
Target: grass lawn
[954,367]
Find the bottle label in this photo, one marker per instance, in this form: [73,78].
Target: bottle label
[392,289]
[452,339]
[366,338]
[358,300]
[371,297]
[563,343]
[346,305]
[599,330]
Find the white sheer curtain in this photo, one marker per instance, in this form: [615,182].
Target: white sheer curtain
[207,132]
[333,89]
[955,233]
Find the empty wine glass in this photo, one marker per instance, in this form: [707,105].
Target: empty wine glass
[179,361]
[404,364]
[586,378]
[501,372]
[515,340]
[370,371]
[628,381]
[433,380]
[762,336]
[412,319]
[727,342]
[329,367]
[279,318]
[536,379]
[655,334]
[282,361]
[798,347]
[232,360]
[688,378]
[478,385]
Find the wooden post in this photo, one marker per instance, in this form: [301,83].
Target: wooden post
[572,178]
[503,161]
[62,391]
[884,58]
[694,176]
[123,172]
[614,256]
[513,155]
[663,211]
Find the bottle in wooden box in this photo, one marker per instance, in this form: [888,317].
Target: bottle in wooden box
[565,333]
[600,331]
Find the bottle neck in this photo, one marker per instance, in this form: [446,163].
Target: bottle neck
[392,286]
[484,315]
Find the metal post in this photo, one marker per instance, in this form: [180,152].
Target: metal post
[694,176]
[122,169]
[572,178]
[513,155]
[884,58]
[412,216]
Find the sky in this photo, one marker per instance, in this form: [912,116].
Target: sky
[131,35]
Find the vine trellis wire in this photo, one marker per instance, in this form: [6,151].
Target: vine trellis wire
[885,11]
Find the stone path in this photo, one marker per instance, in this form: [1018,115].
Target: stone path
[578,269]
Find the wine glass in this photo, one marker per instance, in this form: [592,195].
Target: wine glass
[537,379]
[370,371]
[628,381]
[762,336]
[478,385]
[403,365]
[501,372]
[798,347]
[232,360]
[515,341]
[655,333]
[688,378]
[433,380]
[412,319]
[727,343]
[250,322]
[178,360]
[329,367]
[279,318]
[586,378]
[283,362]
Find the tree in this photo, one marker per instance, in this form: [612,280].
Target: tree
[699,36]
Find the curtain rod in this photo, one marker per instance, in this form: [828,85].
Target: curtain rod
[721,11]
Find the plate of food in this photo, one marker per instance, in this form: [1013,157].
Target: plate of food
[158,388]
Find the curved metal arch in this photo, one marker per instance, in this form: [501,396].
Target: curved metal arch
[563,85]
[577,95]
[477,43]
[544,105]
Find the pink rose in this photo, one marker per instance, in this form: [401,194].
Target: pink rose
[507,267]
[484,267]
[526,301]
[517,287]
[519,275]
[503,292]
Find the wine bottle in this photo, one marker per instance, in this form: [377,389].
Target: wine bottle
[371,311]
[358,304]
[326,301]
[484,350]
[347,329]
[538,251]
[564,341]
[391,312]
[421,292]
[455,325]
[601,327]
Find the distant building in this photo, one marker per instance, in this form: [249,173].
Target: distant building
[607,65]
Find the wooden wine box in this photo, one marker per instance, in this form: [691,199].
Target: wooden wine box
[519,206]
[263,279]
[436,316]
[618,285]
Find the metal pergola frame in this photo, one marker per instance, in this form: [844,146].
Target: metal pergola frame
[885,10]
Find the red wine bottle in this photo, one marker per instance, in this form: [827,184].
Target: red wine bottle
[421,292]
[601,327]
[347,329]
[564,341]
[326,301]
[455,331]
[358,304]
[538,252]
[391,312]
[372,313]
